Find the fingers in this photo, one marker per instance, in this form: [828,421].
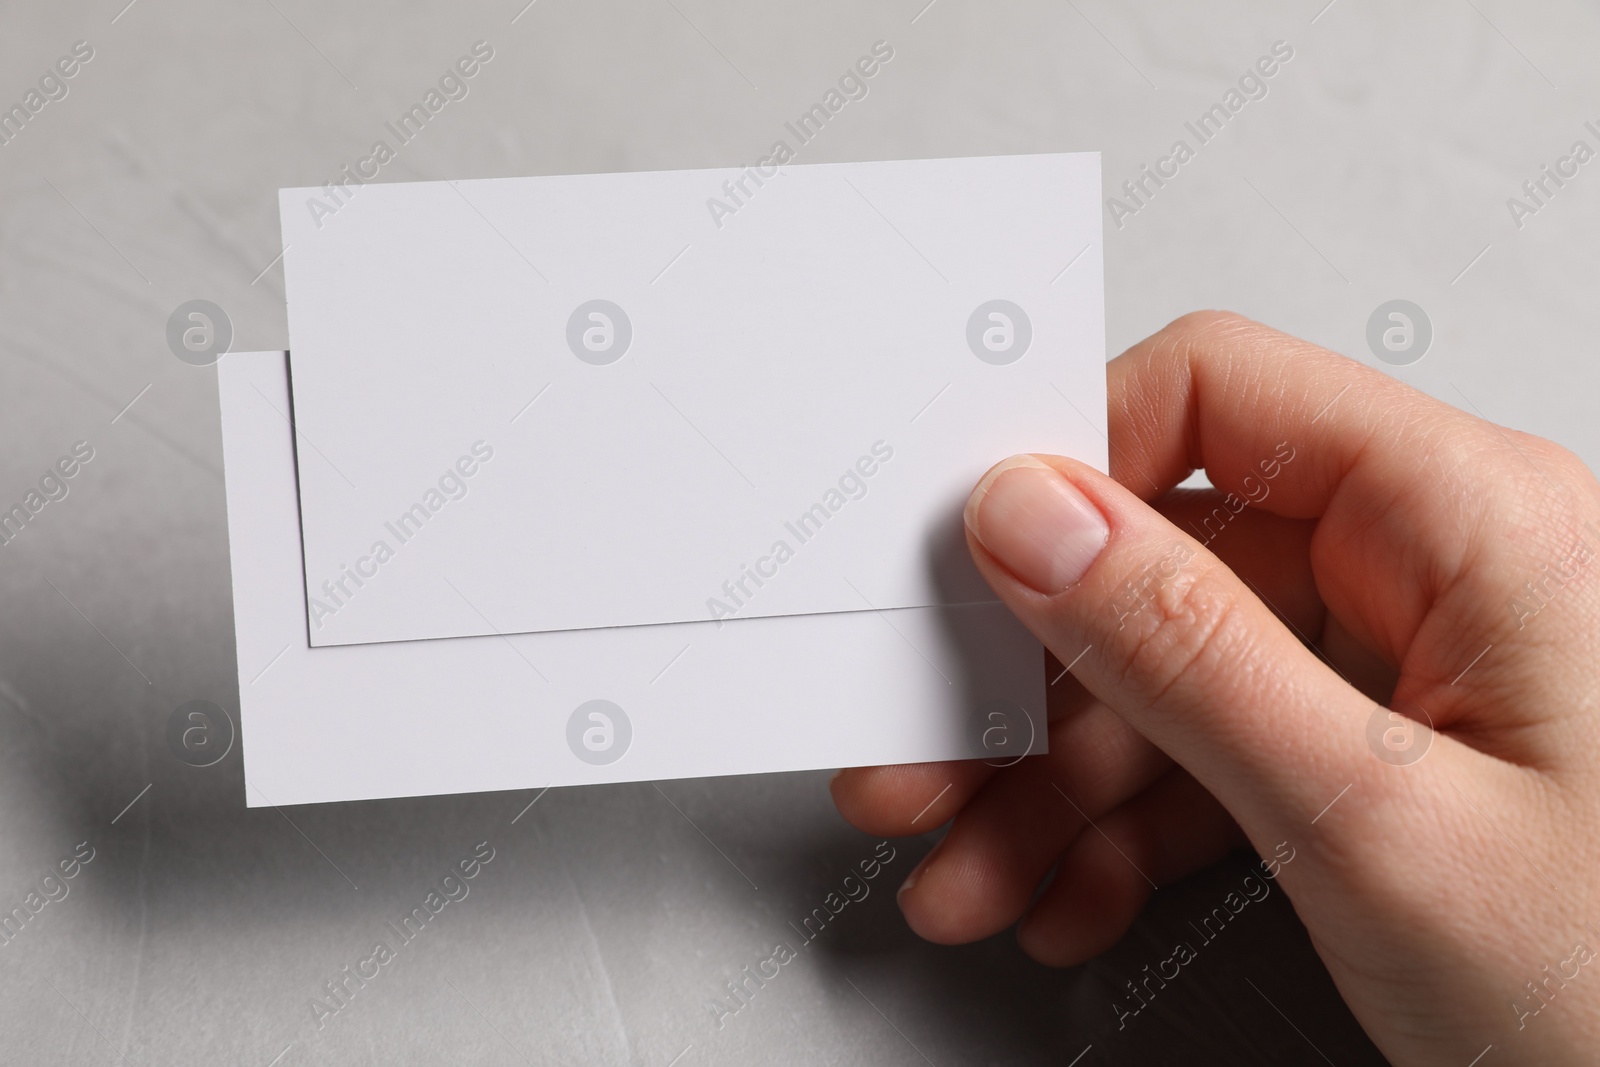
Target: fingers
[1166,833]
[980,877]
[1282,425]
[1272,554]
[899,801]
[1179,645]
[1424,510]
[1241,400]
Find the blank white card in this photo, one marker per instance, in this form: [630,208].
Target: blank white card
[634,704]
[531,404]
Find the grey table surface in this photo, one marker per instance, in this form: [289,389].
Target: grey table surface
[1378,166]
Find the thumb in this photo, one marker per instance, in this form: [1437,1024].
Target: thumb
[1170,638]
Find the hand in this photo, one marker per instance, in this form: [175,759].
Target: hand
[1235,655]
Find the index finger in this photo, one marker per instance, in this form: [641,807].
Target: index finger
[1418,503]
[1216,391]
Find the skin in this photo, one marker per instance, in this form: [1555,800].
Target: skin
[1242,684]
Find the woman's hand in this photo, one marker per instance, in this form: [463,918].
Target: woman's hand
[1235,654]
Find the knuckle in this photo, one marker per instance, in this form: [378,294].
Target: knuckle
[1169,624]
[1218,330]
[1547,453]
[1219,339]
[1549,495]
[1209,320]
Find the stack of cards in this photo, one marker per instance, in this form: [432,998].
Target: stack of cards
[640,476]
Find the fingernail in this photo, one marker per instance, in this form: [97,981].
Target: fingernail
[916,872]
[1037,523]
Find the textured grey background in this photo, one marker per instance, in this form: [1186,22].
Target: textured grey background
[1378,167]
